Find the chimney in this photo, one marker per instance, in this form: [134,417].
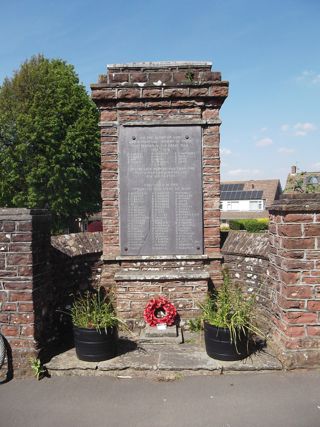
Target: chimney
[293,170]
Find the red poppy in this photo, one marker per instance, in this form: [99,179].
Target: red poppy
[160,310]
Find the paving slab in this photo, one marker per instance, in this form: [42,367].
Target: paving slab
[199,360]
[155,356]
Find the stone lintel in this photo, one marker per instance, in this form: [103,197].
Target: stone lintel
[155,275]
[14,214]
[216,121]
[213,122]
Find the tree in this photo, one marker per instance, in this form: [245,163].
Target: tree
[49,142]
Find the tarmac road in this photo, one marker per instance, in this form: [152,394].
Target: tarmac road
[284,399]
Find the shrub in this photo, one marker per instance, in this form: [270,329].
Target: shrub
[235,224]
[254,225]
[250,225]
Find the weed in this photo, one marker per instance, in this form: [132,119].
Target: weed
[195,325]
[38,369]
[190,76]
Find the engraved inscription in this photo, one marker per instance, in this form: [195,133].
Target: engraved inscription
[160,190]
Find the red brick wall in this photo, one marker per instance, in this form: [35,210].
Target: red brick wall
[24,244]
[295,271]
[38,281]
[171,94]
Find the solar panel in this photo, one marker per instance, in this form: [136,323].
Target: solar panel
[232,187]
[241,195]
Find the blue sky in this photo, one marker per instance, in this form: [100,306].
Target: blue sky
[269,50]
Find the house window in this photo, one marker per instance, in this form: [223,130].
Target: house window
[232,206]
[313,180]
[256,205]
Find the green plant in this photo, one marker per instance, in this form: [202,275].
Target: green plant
[49,142]
[93,311]
[190,76]
[37,367]
[312,188]
[250,225]
[255,225]
[235,224]
[224,227]
[195,325]
[228,307]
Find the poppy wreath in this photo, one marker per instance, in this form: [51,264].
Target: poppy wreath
[158,306]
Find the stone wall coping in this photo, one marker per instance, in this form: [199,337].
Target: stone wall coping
[243,243]
[155,275]
[77,244]
[297,203]
[162,257]
[21,213]
[162,64]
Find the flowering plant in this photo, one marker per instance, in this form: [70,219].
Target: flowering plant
[160,310]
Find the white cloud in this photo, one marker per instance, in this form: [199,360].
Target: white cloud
[299,129]
[225,151]
[302,129]
[284,127]
[243,173]
[309,77]
[286,150]
[264,142]
[264,129]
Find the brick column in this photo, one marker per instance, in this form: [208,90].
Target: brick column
[24,245]
[295,278]
[160,94]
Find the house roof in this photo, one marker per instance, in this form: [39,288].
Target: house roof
[271,188]
[303,182]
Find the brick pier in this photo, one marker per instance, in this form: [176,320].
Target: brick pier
[24,245]
[295,273]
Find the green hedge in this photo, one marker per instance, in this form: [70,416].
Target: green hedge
[235,224]
[251,225]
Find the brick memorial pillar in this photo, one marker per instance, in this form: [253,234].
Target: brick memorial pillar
[160,182]
[24,245]
[295,278]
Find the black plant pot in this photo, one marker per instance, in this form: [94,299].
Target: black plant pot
[219,346]
[94,346]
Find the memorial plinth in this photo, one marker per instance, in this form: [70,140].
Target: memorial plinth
[160,182]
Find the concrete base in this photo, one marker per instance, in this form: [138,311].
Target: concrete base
[154,332]
[142,357]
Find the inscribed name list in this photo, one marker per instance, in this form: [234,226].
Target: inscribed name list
[160,190]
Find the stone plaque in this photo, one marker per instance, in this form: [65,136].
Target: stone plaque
[160,190]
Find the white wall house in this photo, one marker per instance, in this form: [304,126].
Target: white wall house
[242,205]
[247,199]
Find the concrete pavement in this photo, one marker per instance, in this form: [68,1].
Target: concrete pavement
[277,399]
